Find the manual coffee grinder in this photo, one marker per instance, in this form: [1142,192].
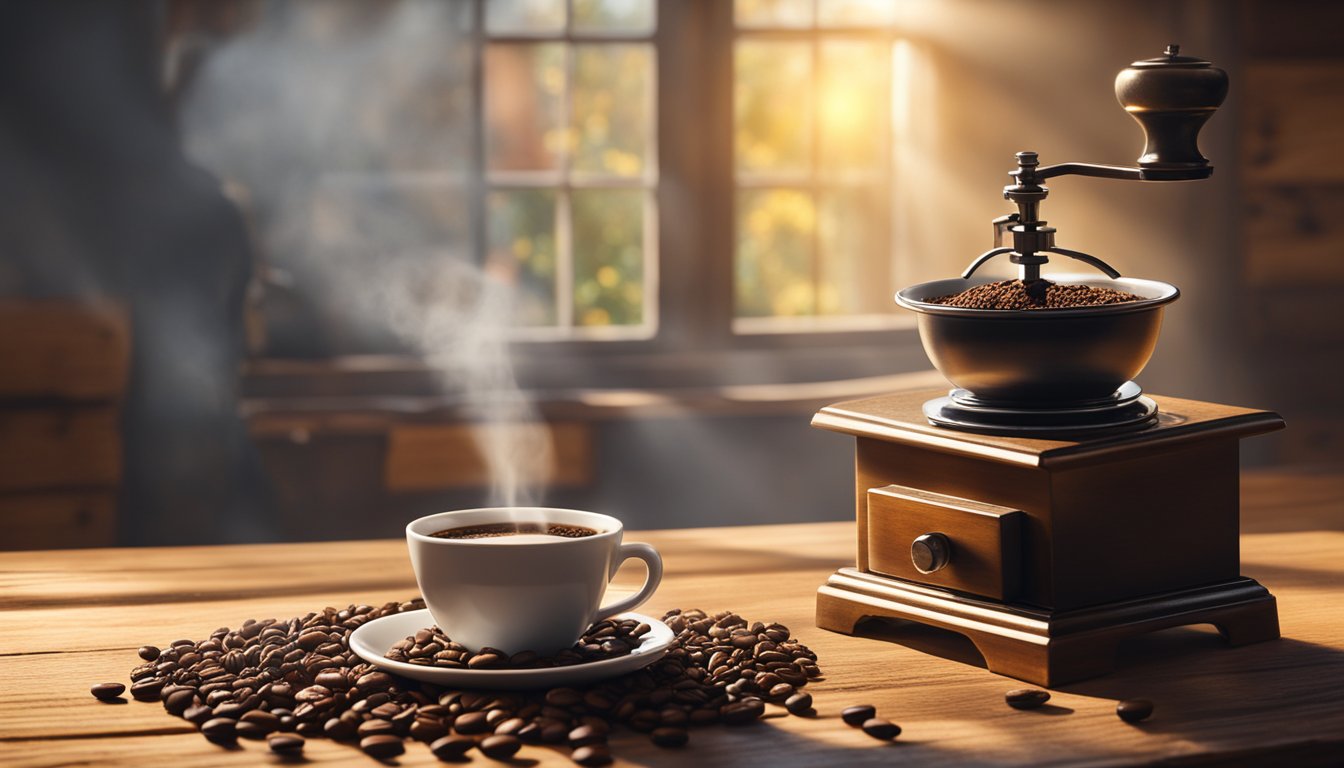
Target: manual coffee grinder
[1046,508]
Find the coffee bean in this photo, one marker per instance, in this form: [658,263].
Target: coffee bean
[220,730]
[147,689]
[1026,698]
[374,682]
[857,714]
[591,755]
[1134,710]
[107,691]
[382,746]
[198,714]
[500,747]
[587,734]
[554,733]
[178,701]
[471,724]
[375,727]
[799,704]
[247,730]
[485,661]
[742,712]
[333,679]
[669,737]
[231,710]
[285,744]
[881,729]
[337,729]
[429,729]
[267,720]
[451,747]
[780,692]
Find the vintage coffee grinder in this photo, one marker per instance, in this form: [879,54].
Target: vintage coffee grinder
[1046,508]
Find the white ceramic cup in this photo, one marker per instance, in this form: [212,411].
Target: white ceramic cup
[531,592]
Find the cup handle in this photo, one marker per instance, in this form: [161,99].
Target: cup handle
[655,564]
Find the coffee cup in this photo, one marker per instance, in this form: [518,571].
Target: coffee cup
[522,578]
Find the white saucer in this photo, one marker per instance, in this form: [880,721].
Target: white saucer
[370,641]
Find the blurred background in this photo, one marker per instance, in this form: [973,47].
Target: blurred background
[308,269]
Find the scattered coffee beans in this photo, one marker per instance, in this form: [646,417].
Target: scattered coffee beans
[1036,294]
[499,747]
[1134,710]
[285,744]
[268,679]
[451,747]
[220,730]
[878,728]
[800,704]
[149,652]
[857,714]
[107,691]
[591,756]
[1026,698]
[382,746]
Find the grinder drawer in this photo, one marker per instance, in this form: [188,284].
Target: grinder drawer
[944,541]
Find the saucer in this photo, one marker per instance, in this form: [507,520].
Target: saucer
[370,641]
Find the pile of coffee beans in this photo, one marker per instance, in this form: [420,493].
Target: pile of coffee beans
[282,681]
[1035,294]
[606,639]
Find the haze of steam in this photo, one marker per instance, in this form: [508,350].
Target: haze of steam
[348,125]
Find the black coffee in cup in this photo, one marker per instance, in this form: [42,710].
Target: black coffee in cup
[495,530]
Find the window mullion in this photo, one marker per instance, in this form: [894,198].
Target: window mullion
[477,185]
[564,236]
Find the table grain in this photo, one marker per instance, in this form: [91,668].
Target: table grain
[73,618]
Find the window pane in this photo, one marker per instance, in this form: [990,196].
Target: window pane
[522,251]
[524,106]
[772,106]
[856,13]
[608,227]
[612,105]
[775,235]
[773,13]
[853,105]
[613,15]
[855,264]
[524,16]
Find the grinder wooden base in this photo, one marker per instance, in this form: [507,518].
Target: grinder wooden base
[1043,647]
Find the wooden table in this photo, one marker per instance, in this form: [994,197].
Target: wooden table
[73,618]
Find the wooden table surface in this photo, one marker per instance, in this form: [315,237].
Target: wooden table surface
[70,619]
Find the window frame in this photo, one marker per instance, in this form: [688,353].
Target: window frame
[697,189]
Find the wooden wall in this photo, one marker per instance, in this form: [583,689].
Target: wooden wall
[1291,188]
[65,370]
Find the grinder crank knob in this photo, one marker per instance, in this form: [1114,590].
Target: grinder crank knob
[1172,96]
[930,552]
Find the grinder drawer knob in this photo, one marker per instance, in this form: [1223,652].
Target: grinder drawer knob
[930,552]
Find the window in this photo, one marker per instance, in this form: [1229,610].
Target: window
[812,135]
[570,164]
[691,176]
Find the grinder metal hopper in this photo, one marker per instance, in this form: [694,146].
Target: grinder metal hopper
[1045,508]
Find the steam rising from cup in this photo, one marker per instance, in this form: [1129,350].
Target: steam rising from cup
[350,127]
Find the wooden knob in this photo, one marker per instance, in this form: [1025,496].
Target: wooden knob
[930,552]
